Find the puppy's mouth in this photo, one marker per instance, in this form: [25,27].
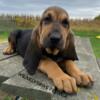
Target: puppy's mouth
[53,51]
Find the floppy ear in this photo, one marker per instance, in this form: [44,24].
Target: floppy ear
[33,54]
[70,52]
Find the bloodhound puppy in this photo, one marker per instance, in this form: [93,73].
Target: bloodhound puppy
[50,48]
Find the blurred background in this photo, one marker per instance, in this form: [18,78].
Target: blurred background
[25,14]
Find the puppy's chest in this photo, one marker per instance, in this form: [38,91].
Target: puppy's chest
[58,58]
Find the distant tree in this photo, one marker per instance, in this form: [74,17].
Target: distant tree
[24,21]
[97,17]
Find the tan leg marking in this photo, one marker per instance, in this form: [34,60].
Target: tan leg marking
[8,50]
[82,78]
[61,80]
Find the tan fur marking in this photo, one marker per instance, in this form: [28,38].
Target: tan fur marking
[82,78]
[54,52]
[61,80]
[8,50]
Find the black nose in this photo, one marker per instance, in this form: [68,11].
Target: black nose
[55,38]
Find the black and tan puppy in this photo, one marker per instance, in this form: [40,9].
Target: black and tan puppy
[48,47]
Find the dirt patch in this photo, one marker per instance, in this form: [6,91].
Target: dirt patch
[3,95]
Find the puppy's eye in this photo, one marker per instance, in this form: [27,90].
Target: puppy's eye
[47,20]
[65,23]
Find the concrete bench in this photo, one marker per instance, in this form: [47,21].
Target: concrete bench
[15,80]
[98,61]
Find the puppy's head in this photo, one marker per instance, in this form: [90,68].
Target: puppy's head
[54,29]
[52,35]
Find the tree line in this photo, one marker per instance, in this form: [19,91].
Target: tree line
[30,21]
[21,20]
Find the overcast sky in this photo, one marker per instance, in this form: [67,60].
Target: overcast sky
[76,8]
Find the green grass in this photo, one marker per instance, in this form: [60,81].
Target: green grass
[7,98]
[3,36]
[94,41]
[10,98]
[96,46]
[6,27]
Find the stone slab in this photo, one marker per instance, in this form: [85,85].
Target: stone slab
[10,67]
[98,61]
[21,85]
[85,45]
[25,85]
[85,93]
[87,62]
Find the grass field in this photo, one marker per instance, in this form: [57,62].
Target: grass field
[89,29]
[94,41]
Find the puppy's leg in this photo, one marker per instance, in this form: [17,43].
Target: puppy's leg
[8,50]
[82,78]
[61,80]
[11,44]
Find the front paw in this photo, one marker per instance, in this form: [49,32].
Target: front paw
[65,83]
[83,79]
[8,51]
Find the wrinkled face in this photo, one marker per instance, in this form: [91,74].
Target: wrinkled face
[54,29]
